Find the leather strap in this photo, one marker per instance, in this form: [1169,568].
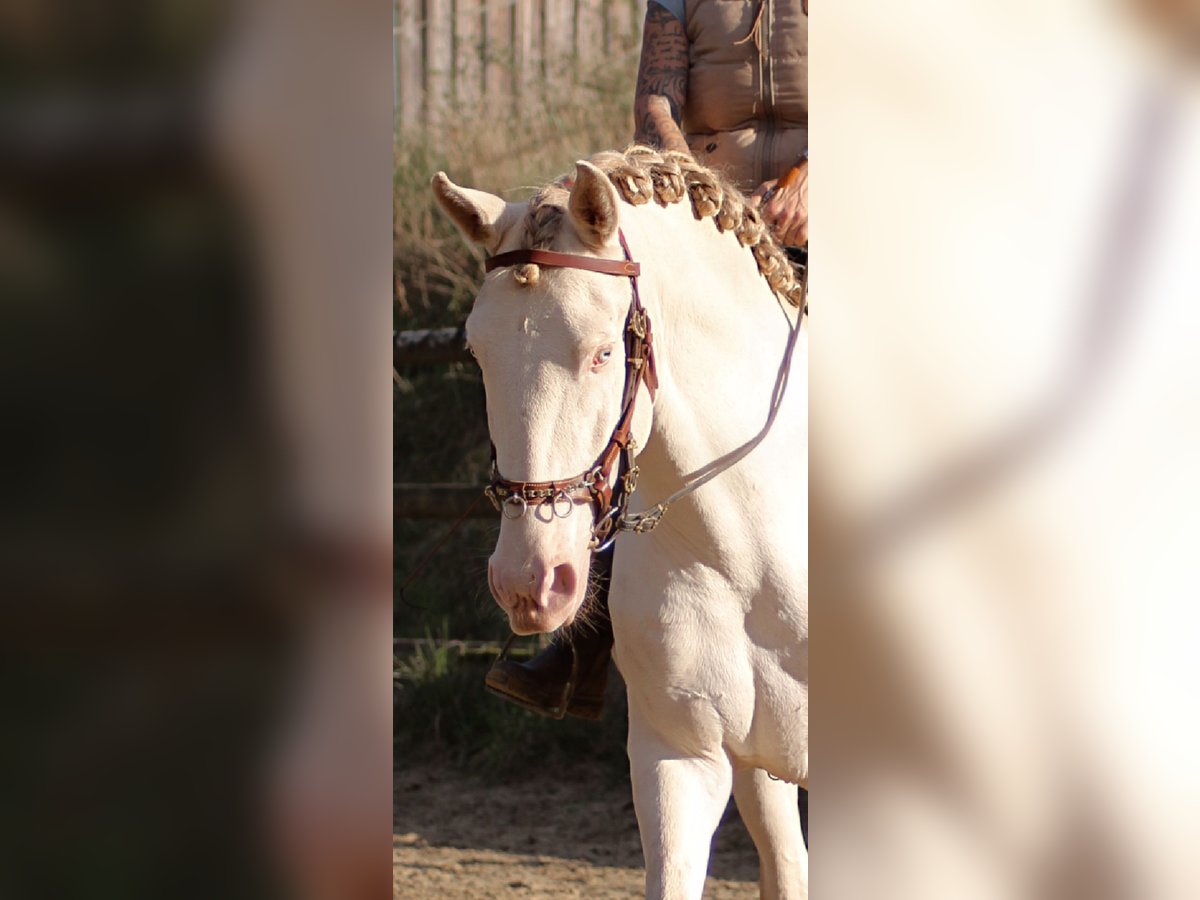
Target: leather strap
[554,259]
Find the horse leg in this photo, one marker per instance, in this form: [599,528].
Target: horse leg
[679,801]
[769,809]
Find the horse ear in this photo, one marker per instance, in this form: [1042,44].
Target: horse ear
[474,212]
[593,205]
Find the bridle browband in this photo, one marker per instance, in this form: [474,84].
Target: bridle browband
[609,497]
[554,259]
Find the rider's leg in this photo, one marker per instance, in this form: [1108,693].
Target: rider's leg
[545,683]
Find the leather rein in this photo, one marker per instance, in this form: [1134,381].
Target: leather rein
[609,497]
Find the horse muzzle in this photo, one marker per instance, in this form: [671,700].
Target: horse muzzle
[537,598]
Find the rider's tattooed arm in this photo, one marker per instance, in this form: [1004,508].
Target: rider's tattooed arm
[662,82]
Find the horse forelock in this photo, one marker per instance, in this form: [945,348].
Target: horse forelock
[543,218]
[641,174]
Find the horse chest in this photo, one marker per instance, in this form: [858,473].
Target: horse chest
[690,677]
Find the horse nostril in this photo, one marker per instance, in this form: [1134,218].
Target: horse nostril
[494,585]
[564,580]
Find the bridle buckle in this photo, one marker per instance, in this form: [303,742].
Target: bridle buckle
[637,323]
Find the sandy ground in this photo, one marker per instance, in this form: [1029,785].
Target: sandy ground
[456,836]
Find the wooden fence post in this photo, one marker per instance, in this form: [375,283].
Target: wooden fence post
[439,58]
[498,61]
[468,54]
[624,26]
[459,55]
[589,35]
[525,50]
[557,26]
[409,64]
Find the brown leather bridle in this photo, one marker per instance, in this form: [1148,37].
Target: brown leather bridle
[609,497]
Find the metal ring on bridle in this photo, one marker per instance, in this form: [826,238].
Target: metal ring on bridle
[559,498]
[518,502]
[597,529]
[595,543]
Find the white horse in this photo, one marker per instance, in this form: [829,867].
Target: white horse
[709,609]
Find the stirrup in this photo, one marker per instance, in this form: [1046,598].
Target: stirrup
[556,712]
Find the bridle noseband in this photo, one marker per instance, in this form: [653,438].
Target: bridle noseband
[609,498]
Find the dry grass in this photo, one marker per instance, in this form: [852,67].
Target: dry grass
[508,152]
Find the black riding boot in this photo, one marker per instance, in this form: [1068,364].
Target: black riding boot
[569,676]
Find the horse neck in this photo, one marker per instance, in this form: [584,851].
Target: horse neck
[720,336]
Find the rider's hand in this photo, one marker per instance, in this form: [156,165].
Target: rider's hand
[787,210]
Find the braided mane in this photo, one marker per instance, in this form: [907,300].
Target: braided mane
[641,174]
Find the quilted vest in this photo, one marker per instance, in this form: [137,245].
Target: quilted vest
[747,95]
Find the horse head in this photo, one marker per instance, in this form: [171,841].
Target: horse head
[550,342]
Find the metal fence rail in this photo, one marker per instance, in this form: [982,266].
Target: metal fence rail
[484,649]
[429,347]
[439,501]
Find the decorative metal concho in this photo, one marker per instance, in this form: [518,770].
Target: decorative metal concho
[513,502]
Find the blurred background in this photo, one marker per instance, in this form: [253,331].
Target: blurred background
[1003,459]
[199,617]
[195,544]
[141,490]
